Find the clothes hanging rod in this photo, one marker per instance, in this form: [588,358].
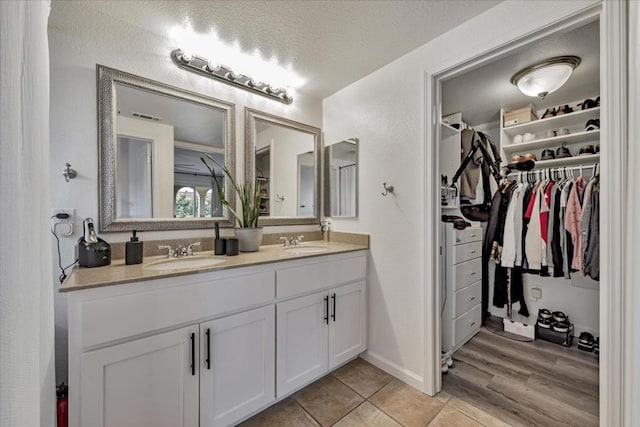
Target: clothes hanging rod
[591,166]
[347,166]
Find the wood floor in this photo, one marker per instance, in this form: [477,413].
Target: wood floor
[526,383]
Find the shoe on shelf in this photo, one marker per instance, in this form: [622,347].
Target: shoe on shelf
[586,342]
[564,109]
[545,319]
[549,112]
[560,322]
[592,124]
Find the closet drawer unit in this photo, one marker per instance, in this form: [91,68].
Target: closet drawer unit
[467,298]
[466,273]
[467,325]
[468,235]
[466,252]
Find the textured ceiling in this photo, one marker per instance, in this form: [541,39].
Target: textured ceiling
[479,94]
[330,44]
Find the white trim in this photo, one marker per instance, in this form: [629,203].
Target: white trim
[631,396]
[613,89]
[613,92]
[393,369]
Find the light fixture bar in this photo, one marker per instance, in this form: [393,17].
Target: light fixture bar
[204,67]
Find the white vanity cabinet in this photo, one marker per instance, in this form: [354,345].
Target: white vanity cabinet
[202,350]
[145,382]
[320,331]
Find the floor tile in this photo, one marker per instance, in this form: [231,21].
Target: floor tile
[406,405]
[450,417]
[287,413]
[363,377]
[475,413]
[443,396]
[328,400]
[367,415]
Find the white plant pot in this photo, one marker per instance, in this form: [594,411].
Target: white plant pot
[249,239]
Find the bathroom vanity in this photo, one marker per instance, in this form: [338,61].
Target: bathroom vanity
[213,345]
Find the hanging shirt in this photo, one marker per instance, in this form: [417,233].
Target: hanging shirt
[518,223]
[586,217]
[572,220]
[567,245]
[510,231]
[533,239]
[545,197]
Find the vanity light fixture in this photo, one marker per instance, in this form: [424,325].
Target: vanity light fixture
[204,67]
[545,77]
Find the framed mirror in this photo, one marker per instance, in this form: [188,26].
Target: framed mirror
[341,179]
[151,138]
[284,155]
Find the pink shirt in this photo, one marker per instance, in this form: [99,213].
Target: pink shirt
[572,220]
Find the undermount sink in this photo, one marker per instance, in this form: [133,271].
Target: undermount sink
[182,263]
[299,250]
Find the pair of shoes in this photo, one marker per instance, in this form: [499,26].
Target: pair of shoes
[586,342]
[592,124]
[446,362]
[552,112]
[558,321]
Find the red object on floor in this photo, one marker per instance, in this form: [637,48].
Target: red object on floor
[62,408]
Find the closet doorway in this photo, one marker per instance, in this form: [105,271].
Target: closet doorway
[530,379]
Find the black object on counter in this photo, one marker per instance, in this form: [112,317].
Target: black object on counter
[232,247]
[92,250]
[219,246]
[133,250]
[217,226]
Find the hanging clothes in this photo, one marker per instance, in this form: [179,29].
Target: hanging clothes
[572,220]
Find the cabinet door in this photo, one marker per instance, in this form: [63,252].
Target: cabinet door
[348,323]
[301,341]
[238,366]
[147,382]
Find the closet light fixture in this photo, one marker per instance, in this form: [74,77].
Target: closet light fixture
[545,77]
[205,67]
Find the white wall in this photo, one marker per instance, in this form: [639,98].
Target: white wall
[80,38]
[385,110]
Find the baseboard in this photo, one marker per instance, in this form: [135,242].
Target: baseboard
[414,380]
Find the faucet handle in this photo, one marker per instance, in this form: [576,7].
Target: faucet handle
[170,252]
[299,238]
[190,248]
[285,241]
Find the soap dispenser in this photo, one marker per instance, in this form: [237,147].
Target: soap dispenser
[133,250]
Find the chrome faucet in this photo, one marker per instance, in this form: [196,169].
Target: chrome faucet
[190,248]
[291,241]
[170,252]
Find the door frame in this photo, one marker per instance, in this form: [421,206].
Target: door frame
[615,341]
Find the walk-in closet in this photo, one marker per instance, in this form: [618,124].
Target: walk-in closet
[520,243]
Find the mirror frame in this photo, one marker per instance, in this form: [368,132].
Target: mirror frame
[327,178]
[107,78]
[250,118]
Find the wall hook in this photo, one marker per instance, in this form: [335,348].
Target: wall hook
[388,189]
[279,198]
[69,173]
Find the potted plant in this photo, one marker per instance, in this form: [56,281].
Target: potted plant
[248,233]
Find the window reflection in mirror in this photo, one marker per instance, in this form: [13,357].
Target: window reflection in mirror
[341,179]
[160,140]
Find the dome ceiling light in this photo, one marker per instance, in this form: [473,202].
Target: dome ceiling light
[545,77]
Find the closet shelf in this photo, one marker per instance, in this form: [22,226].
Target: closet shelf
[586,159]
[448,130]
[576,119]
[554,142]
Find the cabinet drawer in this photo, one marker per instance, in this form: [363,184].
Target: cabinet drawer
[308,278]
[468,235]
[467,325]
[462,253]
[467,298]
[466,273]
[122,316]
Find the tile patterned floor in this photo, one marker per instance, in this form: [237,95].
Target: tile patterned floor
[361,395]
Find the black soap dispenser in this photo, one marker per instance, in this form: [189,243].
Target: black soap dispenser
[133,250]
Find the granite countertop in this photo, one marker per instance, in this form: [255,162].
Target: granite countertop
[119,273]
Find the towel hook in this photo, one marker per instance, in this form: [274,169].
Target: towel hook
[69,173]
[387,189]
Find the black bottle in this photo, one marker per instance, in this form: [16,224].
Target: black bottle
[133,250]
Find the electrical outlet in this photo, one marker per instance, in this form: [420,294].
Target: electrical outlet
[63,226]
[536,293]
